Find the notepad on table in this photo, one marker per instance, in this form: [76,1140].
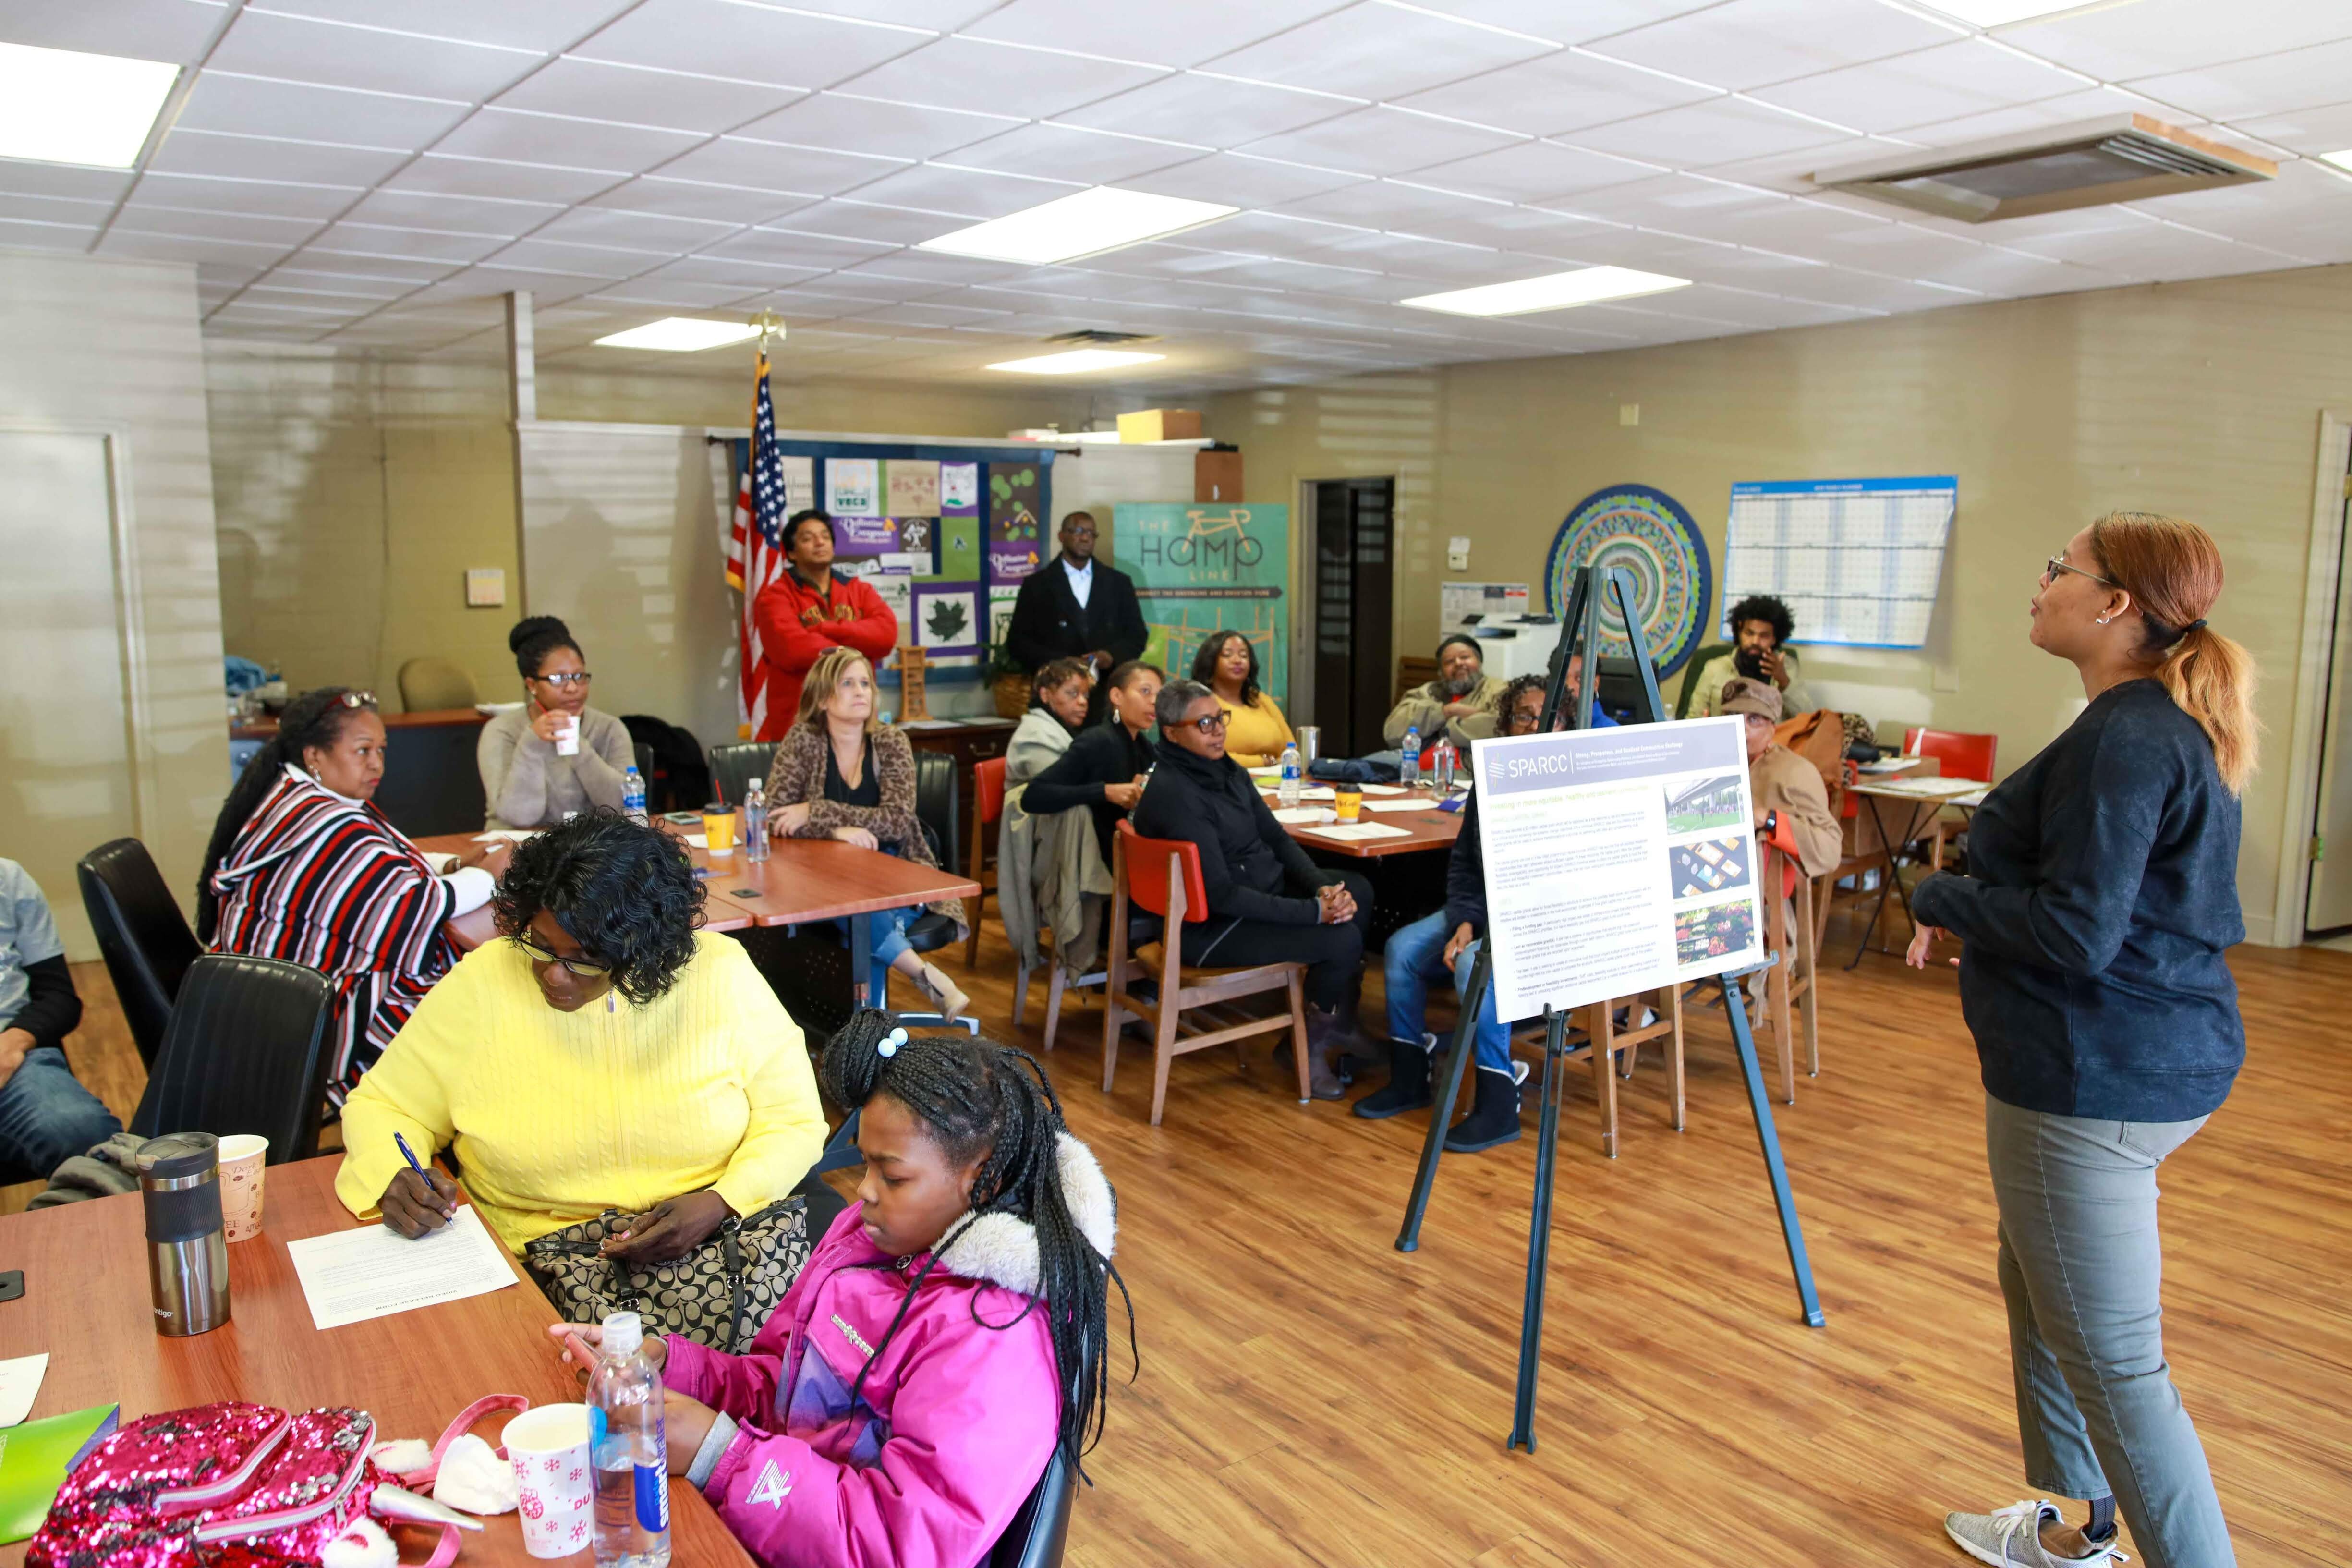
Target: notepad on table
[1410,804]
[1381,789]
[1299,815]
[350,1276]
[511,835]
[1354,830]
[35,1457]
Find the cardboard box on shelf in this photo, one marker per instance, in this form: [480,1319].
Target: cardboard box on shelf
[1216,476]
[1161,425]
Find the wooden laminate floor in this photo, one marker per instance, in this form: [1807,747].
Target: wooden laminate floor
[1310,1395]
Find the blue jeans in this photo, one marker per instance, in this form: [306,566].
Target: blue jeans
[46,1116]
[1416,956]
[890,931]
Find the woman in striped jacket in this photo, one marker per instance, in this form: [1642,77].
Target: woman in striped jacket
[302,866]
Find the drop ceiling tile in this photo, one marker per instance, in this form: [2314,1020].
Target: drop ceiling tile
[871,287]
[1521,230]
[641,95]
[871,221]
[125,240]
[2073,108]
[1698,135]
[694,199]
[1393,205]
[296,48]
[781,248]
[63,180]
[2306,210]
[326,301]
[2145,251]
[345,258]
[1546,171]
[486,283]
[1747,43]
[1409,255]
[1067,153]
[2150,38]
[257,106]
[1381,141]
[1182,35]
[1792,171]
[72,211]
[1968,77]
[666,293]
[1237,180]
[1569,24]
[938,16]
[544,25]
[312,280]
[462,215]
[1376,51]
[634,230]
[202,224]
[1278,233]
[520,137]
[419,244]
[966,193]
[586,260]
[749,276]
[2327,129]
[44,234]
[923,272]
[929,313]
[173,30]
[439,174]
[184,151]
[747,42]
[1556,92]
[951,72]
[773,166]
[198,193]
[2268,84]
[846,122]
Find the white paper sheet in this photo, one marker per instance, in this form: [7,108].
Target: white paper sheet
[352,1276]
[511,835]
[20,1384]
[1381,789]
[1315,794]
[1407,804]
[1298,814]
[1359,830]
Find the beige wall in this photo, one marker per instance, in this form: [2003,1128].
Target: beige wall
[356,492]
[2201,399]
[111,349]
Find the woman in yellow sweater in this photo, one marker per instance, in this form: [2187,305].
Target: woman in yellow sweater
[1255,731]
[605,1055]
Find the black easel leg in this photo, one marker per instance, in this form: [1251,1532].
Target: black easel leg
[1782,1199]
[1523,1413]
[1442,1113]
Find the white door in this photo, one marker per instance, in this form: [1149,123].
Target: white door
[2329,909]
[65,747]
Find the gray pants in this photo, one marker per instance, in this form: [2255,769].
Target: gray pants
[2082,1271]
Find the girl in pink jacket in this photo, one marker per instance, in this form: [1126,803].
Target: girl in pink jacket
[946,1337]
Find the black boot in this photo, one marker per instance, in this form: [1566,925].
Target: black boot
[1408,1086]
[1495,1119]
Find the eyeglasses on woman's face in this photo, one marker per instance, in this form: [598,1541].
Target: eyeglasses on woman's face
[579,966]
[2051,568]
[563,678]
[1209,723]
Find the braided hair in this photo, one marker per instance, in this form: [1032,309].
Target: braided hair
[975,1095]
[314,721]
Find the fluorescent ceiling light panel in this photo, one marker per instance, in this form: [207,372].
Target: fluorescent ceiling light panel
[1552,291]
[1086,223]
[2001,12]
[1075,362]
[61,106]
[680,335]
[2341,160]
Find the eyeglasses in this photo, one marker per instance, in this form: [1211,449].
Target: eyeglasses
[2057,563]
[574,678]
[1214,724]
[357,699]
[579,966]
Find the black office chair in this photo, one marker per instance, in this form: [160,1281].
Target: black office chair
[247,1052]
[1698,662]
[141,934]
[1042,1529]
[645,758]
[734,766]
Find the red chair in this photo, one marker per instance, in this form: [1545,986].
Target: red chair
[1163,875]
[1964,757]
[987,807]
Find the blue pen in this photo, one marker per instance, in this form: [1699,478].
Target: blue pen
[410,1155]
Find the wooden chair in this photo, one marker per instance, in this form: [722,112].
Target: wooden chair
[1622,1048]
[987,810]
[1163,875]
[1795,976]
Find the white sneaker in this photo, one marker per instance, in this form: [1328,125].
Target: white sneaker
[2011,1538]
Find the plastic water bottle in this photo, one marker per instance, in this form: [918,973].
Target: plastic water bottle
[1443,765]
[632,796]
[755,821]
[631,1450]
[1409,770]
[1287,792]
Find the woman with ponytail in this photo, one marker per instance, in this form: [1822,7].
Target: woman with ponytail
[302,866]
[2100,897]
[947,1338]
[554,755]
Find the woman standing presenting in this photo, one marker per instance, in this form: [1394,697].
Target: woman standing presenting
[2101,895]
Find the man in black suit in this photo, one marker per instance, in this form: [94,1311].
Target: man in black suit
[1075,606]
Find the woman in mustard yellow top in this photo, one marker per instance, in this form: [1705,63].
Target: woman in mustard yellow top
[605,1054]
[1255,731]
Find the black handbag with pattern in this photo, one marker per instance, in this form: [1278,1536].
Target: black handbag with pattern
[720,1295]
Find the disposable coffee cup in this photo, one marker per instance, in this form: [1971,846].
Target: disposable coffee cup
[567,738]
[718,829]
[555,1473]
[1348,803]
[243,1157]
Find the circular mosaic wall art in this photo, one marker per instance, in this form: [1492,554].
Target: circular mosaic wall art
[1647,532]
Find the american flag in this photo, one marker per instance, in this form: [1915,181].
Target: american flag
[755,552]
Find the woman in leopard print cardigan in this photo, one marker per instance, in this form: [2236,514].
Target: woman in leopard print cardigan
[838,773]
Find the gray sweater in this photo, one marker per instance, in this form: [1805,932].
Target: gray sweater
[528,785]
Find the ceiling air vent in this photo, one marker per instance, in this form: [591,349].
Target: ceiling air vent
[1095,337]
[2127,159]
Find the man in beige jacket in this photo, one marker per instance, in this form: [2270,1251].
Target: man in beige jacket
[1459,704]
[1781,780]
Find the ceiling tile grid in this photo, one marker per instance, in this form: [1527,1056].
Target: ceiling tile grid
[342,172]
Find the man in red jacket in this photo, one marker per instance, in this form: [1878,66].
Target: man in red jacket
[812,608]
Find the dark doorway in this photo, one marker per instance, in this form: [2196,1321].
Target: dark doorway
[1354,606]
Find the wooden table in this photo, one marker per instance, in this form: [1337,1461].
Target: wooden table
[1426,830]
[471,930]
[1925,813]
[803,880]
[85,1303]
[432,782]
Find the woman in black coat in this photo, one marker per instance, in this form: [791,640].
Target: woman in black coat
[1104,768]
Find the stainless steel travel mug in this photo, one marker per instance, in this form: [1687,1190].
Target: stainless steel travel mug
[187,1249]
[1310,746]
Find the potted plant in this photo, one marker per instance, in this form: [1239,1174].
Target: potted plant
[1008,682]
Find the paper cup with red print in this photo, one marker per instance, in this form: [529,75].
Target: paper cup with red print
[549,1446]
[242,1156]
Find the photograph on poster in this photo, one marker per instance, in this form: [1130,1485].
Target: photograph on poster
[852,486]
[1577,825]
[1708,866]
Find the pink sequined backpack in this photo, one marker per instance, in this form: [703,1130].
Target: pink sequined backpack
[231,1485]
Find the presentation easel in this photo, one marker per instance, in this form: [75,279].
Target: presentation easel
[1581,634]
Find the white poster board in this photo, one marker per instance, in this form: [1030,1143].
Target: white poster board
[1616,860]
[1457,602]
